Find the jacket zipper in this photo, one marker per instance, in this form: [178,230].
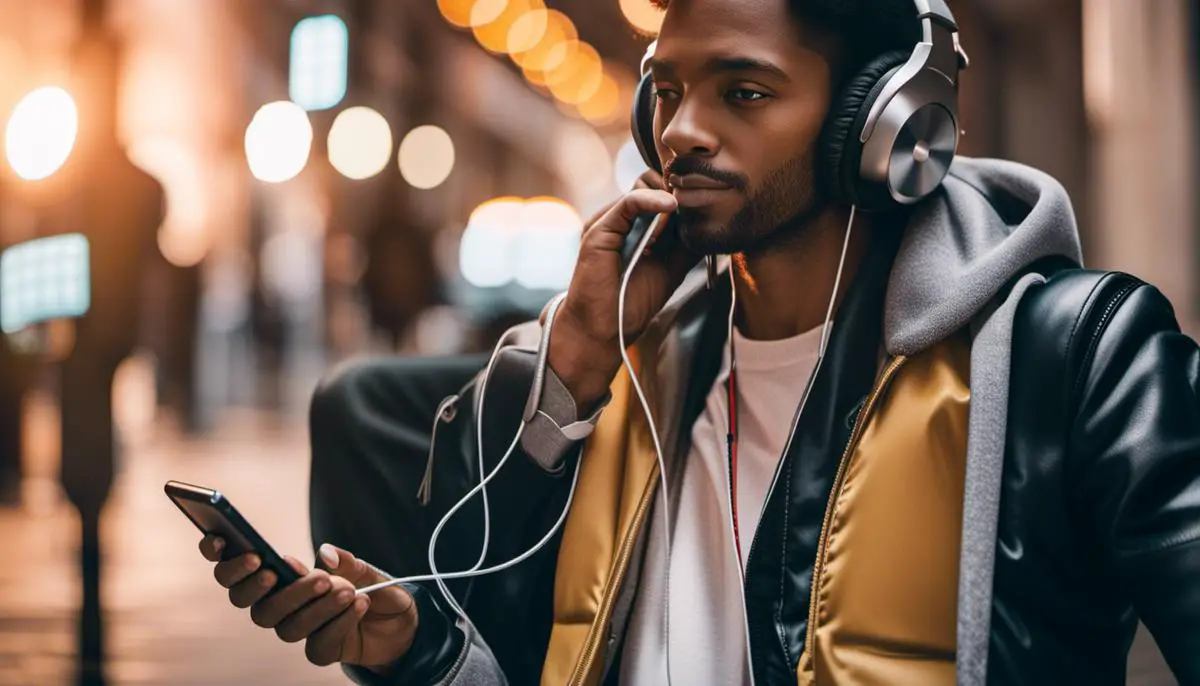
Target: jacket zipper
[595,635]
[839,479]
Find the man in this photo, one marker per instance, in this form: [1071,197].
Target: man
[987,472]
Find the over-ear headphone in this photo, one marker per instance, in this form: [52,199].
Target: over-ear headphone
[891,134]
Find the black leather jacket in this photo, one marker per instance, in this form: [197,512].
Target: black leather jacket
[1100,508]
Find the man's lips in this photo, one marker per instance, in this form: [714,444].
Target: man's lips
[687,182]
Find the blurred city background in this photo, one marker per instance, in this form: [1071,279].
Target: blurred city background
[237,194]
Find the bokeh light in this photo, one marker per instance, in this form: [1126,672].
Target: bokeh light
[547,244]
[603,107]
[493,35]
[579,77]
[532,243]
[426,157]
[278,142]
[642,16]
[485,253]
[457,12]
[484,12]
[319,62]
[527,31]
[360,143]
[41,133]
[559,30]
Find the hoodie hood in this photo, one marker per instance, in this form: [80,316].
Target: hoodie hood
[991,220]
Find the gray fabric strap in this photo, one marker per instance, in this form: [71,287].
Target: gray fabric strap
[990,366]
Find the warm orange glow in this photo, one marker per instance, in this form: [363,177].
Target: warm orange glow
[537,59]
[604,105]
[501,211]
[484,12]
[579,78]
[527,31]
[642,15]
[457,12]
[493,36]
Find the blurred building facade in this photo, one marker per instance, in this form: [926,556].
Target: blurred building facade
[257,287]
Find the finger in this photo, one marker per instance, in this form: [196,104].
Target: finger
[619,219]
[230,572]
[601,212]
[394,600]
[211,547]
[324,646]
[272,610]
[296,565]
[253,588]
[650,179]
[342,563]
[300,624]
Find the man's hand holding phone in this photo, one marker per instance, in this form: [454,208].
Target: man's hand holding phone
[321,608]
[584,348]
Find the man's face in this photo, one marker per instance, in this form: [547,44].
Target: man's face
[742,97]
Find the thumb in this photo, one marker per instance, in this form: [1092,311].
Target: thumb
[341,563]
[338,562]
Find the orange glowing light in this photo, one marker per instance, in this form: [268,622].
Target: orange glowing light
[642,16]
[541,57]
[527,31]
[579,78]
[604,105]
[493,36]
[457,12]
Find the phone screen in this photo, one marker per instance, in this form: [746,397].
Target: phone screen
[212,513]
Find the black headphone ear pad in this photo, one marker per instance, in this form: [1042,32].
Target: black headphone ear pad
[641,123]
[840,151]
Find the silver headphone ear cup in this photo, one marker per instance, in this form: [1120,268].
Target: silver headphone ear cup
[912,145]
[922,152]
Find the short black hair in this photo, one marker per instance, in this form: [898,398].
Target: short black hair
[866,28]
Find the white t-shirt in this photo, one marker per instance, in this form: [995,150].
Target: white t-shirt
[707,614]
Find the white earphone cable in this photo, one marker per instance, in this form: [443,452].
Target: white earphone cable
[662,471]
[476,570]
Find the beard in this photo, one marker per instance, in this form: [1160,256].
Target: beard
[773,213]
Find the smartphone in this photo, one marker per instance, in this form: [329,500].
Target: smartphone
[642,224]
[212,513]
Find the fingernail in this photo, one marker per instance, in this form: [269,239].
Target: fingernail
[218,544]
[328,555]
[361,603]
[251,562]
[266,580]
[345,595]
[321,586]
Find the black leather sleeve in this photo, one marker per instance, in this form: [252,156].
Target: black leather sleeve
[1134,465]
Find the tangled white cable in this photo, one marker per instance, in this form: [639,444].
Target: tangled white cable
[441,577]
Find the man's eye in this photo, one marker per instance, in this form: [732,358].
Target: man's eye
[745,95]
[664,93]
